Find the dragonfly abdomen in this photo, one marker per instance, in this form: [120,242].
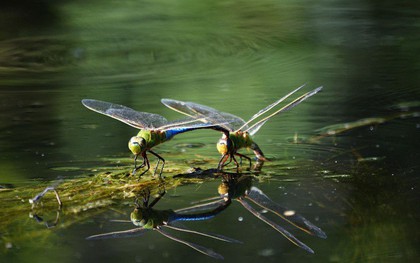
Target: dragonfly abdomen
[257,151]
[174,131]
[200,216]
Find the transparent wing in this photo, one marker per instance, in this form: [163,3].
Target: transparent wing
[210,235]
[256,126]
[201,249]
[136,119]
[191,124]
[269,107]
[202,207]
[205,113]
[259,198]
[135,232]
[278,228]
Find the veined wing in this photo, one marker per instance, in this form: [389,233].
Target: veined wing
[135,232]
[256,126]
[210,235]
[191,123]
[205,114]
[278,228]
[201,249]
[202,207]
[259,198]
[269,107]
[136,119]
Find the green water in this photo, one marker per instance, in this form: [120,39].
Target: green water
[360,186]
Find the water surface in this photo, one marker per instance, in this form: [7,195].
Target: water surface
[360,185]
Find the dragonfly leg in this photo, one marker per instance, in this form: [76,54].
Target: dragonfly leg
[236,162]
[145,163]
[246,157]
[160,195]
[222,161]
[159,159]
[146,197]
[135,163]
[230,160]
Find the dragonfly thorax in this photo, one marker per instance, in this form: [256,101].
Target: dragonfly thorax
[137,145]
[235,141]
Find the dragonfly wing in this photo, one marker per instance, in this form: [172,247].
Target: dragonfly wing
[201,249]
[204,113]
[278,228]
[210,235]
[256,128]
[119,234]
[179,126]
[269,107]
[201,207]
[285,108]
[259,198]
[136,119]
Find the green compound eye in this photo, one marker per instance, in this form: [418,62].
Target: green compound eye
[137,145]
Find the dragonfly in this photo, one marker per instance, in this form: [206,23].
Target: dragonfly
[146,218]
[237,133]
[154,129]
[239,187]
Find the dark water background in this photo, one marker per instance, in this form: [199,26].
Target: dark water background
[360,187]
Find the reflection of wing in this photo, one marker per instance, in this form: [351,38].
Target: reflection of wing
[140,120]
[135,232]
[201,249]
[202,207]
[210,235]
[278,228]
[259,198]
[205,113]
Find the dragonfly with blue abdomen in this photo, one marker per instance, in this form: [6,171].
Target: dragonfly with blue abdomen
[154,129]
[146,218]
[237,133]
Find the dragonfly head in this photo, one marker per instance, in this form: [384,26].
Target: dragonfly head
[139,218]
[137,145]
[224,145]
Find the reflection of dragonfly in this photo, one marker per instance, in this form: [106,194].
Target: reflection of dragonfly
[239,187]
[154,129]
[34,201]
[147,218]
[237,133]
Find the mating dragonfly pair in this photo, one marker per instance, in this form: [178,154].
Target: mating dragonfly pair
[155,129]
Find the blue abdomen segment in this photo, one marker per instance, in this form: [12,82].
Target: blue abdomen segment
[198,217]
[174,131]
